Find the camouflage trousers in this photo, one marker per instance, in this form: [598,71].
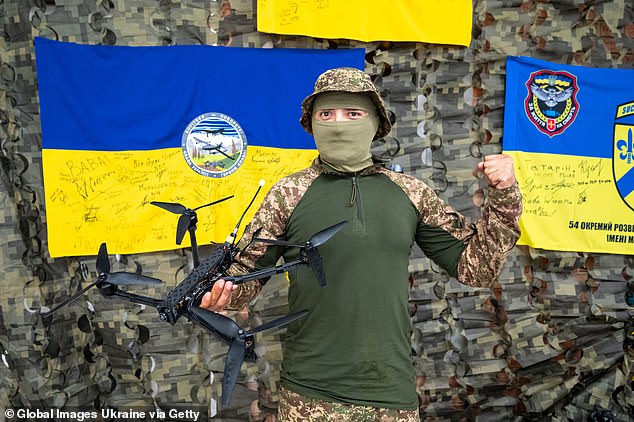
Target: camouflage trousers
[294,407]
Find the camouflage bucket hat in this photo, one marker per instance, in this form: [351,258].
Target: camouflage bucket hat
[346,79]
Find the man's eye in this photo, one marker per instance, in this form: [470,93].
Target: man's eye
[356,114]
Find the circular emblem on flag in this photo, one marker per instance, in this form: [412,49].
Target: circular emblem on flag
[214,145]
[551,104]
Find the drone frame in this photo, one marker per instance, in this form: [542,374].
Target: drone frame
[184,299]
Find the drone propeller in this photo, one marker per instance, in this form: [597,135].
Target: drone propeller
[188,218]
[103,268]
[184,221]
[317,239]
[309,250]
[120,277]
[240,342]
[323,236]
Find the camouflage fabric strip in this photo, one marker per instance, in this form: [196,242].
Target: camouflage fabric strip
[294,407]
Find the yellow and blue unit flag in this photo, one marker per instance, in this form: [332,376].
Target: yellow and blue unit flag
[570,130]
[430,21]
[123,126]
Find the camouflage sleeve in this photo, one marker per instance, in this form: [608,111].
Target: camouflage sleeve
[472,252]
[496,233]
[268,222]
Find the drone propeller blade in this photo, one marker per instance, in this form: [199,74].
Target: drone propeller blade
[318,239]
[69,300]
[188,216]
[182,226]
[276,242]
[123,277]
[171,207]
[237,338]
[120,277]
[233,363]
[237,350]
[103,263]
[315,264]
[217,323]
[214,203]
[323,236]
[279,321]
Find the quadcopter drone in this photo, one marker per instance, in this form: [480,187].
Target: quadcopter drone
[183,300]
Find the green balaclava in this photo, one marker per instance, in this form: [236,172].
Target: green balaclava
[345,145]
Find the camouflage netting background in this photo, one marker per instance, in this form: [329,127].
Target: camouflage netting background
[546,343]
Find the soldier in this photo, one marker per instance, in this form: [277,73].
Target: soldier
[350,359]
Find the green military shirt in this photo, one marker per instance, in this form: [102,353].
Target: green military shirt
[354,344]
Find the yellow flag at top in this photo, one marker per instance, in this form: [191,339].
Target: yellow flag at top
[431,21]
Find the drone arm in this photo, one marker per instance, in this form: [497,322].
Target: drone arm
[130,297]
[267,272]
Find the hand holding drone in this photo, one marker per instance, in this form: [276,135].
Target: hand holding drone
[185,298]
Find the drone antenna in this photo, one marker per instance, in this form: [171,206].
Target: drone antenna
[232,237]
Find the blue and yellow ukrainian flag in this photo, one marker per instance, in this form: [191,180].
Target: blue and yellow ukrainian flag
[125,126]
[569,129]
